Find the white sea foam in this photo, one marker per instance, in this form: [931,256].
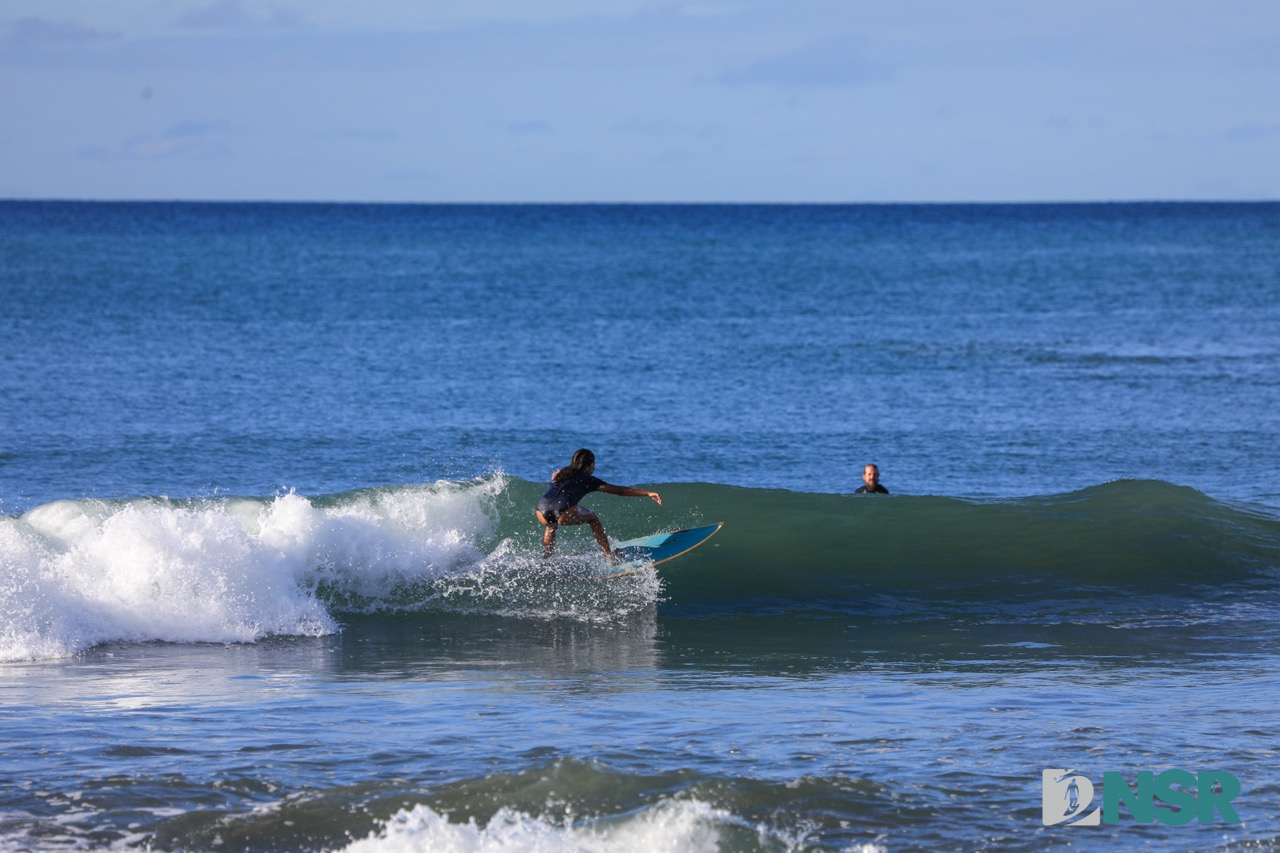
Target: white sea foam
[672,825]
[80,573]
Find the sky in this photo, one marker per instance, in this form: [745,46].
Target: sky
[640,100]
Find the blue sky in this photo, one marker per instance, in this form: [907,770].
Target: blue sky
[631,100]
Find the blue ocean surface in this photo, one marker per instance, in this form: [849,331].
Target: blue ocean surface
[270,577]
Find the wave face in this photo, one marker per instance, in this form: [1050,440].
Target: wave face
[230,570]
[1130,536]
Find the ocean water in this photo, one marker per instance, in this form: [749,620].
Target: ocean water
[270,578]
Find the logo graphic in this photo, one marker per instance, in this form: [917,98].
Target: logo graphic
[1066,794]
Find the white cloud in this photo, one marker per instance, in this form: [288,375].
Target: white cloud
[27,33]
[232,15]
[831,62]
[183,139]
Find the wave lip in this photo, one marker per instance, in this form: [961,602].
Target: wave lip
[230,570]
[89,572]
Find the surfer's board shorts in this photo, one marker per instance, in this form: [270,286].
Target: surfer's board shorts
[582,513]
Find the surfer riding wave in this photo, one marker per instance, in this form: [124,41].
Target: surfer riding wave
[571,484]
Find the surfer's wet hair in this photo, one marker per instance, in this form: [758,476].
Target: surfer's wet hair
[582,460]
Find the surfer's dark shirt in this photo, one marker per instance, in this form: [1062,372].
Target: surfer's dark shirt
[877,489]
[560,497]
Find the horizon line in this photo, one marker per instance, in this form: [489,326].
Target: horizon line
[617,203]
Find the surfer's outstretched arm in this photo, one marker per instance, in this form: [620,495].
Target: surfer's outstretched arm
[624,491]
